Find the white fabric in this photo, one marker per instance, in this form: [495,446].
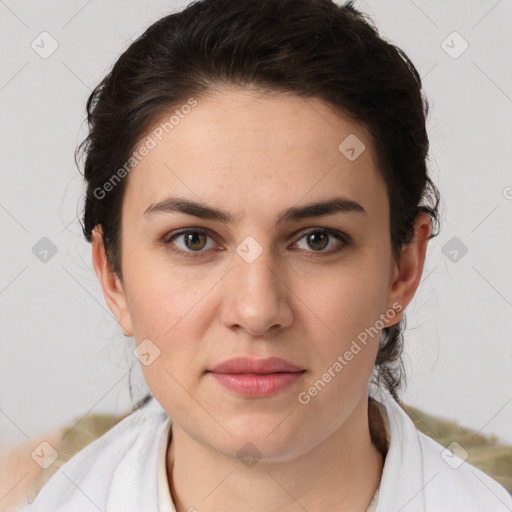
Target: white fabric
[125,471]
[165,503]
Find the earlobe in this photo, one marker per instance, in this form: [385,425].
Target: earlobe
[408,270]
[113,289]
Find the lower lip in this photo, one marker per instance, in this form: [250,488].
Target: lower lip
[257,385]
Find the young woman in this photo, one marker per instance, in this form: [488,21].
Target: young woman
[259,209]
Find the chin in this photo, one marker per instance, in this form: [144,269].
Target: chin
[266,439]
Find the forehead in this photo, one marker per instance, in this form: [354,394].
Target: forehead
[247,150]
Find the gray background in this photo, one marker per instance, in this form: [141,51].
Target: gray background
[61,353]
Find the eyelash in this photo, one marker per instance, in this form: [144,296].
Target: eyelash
[346,241]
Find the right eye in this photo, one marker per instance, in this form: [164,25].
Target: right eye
[193,240]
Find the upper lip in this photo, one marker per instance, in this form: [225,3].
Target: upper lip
[248,365]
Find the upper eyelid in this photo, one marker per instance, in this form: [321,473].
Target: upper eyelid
[180,232]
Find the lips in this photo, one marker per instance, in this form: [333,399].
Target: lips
[256,378]
[269,365]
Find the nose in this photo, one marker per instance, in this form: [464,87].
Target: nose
[256,296]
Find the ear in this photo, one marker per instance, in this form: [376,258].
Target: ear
[407,271]
[111,284]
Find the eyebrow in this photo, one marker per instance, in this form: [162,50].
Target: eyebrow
[295,213]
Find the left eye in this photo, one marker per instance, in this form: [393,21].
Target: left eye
[318,240]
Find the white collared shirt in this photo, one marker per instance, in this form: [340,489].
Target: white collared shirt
[125,471]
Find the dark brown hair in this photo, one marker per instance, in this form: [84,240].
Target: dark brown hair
[311,48]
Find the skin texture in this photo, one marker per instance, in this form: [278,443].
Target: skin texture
[255,155]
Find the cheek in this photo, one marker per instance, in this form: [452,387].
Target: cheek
[349,298]
[346,344]
[162,296]
[167,308]
[171,306]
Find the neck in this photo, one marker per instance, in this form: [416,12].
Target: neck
[341,473]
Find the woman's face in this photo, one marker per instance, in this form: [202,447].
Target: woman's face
[257,285]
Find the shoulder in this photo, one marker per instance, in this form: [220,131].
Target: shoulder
[86,481]
[460,483]
[420,475]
